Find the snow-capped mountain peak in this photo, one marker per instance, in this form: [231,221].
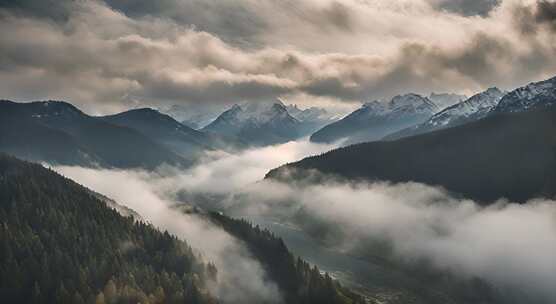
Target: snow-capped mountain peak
[474,108]
[412,104]
[477,106]
[375,119]
[257,122]
[408,104]
[377,107]
[537,94]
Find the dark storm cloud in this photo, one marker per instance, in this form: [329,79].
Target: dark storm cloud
[233,21]
[530,18]
[422,68]
[468,7]
[546,13]
[58,10]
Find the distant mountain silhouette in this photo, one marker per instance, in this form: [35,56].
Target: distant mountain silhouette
[311,119]
[58,132]
[165,130]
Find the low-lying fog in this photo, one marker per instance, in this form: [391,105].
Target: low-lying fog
[508,245]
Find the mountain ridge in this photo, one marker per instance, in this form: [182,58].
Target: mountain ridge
[465,159]
[58,132]
[474,108]
[376,119]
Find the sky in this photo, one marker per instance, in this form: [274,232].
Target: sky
[110,55]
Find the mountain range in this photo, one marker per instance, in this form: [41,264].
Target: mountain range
[476,107]
[165,130]
[376,119]
[58,132]
[534,95]
[509,153]
[193,116]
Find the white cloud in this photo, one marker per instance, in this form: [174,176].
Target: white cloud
[107,60]
[241,279]
[510,246]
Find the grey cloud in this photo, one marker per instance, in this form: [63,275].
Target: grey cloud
[235,22]
[546,13]
[57,10]
[416,220]
[529,19]
[226,89]
[340,15]
[422,68]
[468,7]
[108,60]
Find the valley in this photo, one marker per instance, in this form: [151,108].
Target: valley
[278,152]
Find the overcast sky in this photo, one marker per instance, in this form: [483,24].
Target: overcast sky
[110,55]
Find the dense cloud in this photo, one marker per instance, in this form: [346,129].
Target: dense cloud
[510,246]
[530,19]
[467,7]
[111,55]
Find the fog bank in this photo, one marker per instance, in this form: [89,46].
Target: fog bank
[510,246]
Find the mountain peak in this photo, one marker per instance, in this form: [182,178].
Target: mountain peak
[375,119]
[145,114]
[413,103]
[143,110]
[280,107]
[493,90]
[48,108]
[265,121]
[474,108]
[535,94]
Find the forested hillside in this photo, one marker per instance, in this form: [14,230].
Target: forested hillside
[60,244]
[299,282]
[509,155]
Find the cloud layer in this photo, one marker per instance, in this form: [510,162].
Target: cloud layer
[110,55]
[510,246]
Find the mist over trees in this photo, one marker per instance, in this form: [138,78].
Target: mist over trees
[59,243]
[509,155]
[299,282]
